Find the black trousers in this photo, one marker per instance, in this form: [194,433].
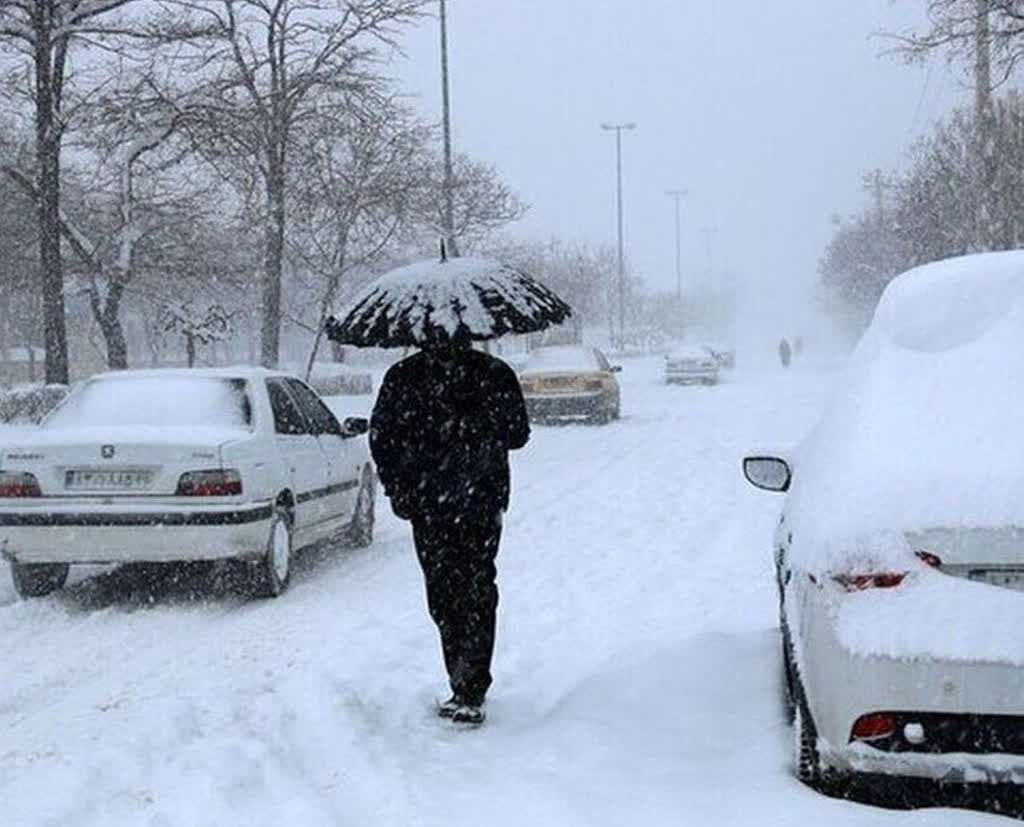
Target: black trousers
[457,552]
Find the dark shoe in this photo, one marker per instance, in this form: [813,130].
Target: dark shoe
[468,715]
[447,709]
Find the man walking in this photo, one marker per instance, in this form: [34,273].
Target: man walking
[440,434]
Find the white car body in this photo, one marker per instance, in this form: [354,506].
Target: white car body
[692,363]
[110,493]
[900,549]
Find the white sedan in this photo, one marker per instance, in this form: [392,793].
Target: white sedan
[900,549]
[692,364]
[183,465]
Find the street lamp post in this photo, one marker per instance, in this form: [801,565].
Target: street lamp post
[622,266]
[677,196]
[449,197]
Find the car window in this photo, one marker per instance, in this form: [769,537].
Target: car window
[288,418]
[324,422]
[602,362]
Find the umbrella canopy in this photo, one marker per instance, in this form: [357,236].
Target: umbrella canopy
[435,302]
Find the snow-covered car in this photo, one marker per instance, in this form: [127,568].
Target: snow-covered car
[570,382]
[900,549]
[183,465]
[691,363]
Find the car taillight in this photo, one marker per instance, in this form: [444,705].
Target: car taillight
[872,580]
[214,483]
[929,559]
[19,484]
[873,727]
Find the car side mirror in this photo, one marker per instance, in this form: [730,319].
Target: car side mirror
[616,368]
[355,426]
[768,473]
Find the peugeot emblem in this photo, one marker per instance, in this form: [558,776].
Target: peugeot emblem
[107,452]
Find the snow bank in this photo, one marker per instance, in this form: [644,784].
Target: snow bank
[25,404]
[926,430]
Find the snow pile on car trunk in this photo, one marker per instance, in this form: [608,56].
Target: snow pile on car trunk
[953,619]
[926,430]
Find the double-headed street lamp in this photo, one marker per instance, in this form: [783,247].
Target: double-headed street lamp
[618,127]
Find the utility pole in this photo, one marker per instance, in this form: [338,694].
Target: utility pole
[677,196]
[617,128]
[448,185]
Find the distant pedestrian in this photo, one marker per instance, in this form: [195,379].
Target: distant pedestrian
[785,352]
[442,427]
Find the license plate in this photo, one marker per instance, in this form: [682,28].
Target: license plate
[107,479]
[1007,578]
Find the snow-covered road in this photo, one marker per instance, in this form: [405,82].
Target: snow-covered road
[635,672]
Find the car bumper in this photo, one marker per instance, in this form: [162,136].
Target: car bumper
[569,406]
[125,534]
[842,686]
[693,374]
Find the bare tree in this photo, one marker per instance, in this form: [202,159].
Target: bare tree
[44,31]
[196,325]
[482,202]
[262,67]
[987,34]
[360,165]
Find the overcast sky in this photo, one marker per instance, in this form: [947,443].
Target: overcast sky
[767,112]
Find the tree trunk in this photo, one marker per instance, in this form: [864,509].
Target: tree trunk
[117,347]
[48,140]
[190,349]
[273,262]
[333,282]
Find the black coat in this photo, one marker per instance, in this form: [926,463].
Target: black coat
[442,429]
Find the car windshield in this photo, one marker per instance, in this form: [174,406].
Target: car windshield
[558,359]
[155,401]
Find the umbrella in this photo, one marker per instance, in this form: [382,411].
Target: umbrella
[434,302]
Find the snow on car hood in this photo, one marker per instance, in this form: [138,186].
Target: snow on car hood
[926,429]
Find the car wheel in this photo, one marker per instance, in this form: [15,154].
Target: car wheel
[360,533]
[38,579]
[273,571]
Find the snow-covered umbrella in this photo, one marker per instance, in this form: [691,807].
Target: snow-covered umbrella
[435,302]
